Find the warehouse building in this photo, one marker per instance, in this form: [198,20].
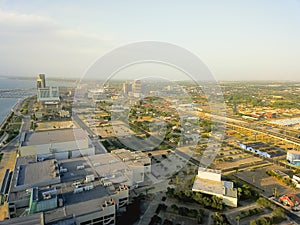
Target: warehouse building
[263,149]
[64,191]
[57,144]
[118,167]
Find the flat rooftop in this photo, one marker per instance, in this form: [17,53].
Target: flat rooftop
[36,172]
[73,173]
[110,167]
[212,187]
[54,136]
[202,169]
[80,203]
[208,186]
[35,219]
[29,173]
[55,217]
[134,158]
[295,152]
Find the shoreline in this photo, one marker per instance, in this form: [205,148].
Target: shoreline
[12,110]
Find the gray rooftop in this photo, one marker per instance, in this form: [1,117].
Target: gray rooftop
[53,136]
[36,172]
[212,187]
[35,219]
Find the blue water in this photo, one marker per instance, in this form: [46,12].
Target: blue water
[16,84]
[7,103]
[5,107]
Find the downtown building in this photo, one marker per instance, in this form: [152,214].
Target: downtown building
[47,96]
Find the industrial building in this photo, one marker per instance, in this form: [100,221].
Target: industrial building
[118,167]
[63,191]
[293,157]
[56,144]
[262,149]
[29,174]
[209,182]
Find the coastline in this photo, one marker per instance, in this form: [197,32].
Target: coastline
[12,110]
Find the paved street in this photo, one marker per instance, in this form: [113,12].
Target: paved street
[99,148]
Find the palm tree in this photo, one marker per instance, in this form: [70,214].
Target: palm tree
[238,218]
[275,192]
[253,178]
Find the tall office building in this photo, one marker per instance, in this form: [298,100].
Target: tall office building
[127,87]
[48,94]
[41,81]
[137,88]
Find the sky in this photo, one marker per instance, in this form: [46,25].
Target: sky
[235,39]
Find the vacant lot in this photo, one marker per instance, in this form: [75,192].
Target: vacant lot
[261,180]
[55,125]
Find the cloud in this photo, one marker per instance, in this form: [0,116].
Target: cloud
[37,43]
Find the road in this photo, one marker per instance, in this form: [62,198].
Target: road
[290,214]
[254,128]
[99,148]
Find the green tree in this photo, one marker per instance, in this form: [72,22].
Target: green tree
[253,222]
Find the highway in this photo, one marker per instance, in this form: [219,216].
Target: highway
[254,128]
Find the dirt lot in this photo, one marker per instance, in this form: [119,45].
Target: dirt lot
[229,157]
[55,125]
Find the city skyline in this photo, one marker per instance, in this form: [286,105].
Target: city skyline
[249,40]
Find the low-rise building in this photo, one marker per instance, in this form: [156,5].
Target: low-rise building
[209,182]
[58,144]
[293,157]
[296,180]
[65,191]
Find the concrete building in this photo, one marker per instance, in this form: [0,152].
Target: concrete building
[41,81]
[42,200]
[137,88]
[293,157]
[209,182]
[58,144]
[48,94]
[29,174]
[296,180]
[79,196]
[118,167]
[127,87]
[263,149]
[35,219]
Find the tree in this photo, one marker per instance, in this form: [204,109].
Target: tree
[279,212]
[253,222]
[238,218]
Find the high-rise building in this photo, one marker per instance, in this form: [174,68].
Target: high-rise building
[127,87]
[137,88]
[41,81]
[48,94]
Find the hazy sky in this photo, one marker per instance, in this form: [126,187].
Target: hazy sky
[237,40]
